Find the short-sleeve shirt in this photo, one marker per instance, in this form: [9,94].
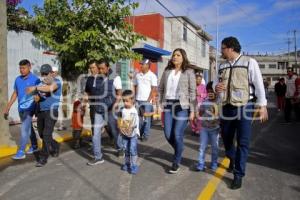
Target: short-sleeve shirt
[117,83]
[52,100]
[209,119]
[132,115]
[21,83]
[144,82]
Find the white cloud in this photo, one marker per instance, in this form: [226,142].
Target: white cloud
[286,4]
[204,15]
[231,13]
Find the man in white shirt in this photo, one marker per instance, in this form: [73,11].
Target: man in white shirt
[238,77]
[61,114]
[289,95]
[145,84]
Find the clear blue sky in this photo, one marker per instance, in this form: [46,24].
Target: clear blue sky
[260,25]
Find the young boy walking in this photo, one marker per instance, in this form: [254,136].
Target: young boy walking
[128,124]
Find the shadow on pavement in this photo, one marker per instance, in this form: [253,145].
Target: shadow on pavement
[276,146]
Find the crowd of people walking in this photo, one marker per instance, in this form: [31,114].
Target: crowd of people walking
[222,107]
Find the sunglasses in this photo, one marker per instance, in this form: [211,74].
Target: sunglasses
[44,74]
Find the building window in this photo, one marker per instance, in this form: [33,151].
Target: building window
[275,78]
[281,65]
[295,66]
[203,48]
[262,66]
[272,66]
[184,32]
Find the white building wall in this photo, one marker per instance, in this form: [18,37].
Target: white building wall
[20,46]
[167,35]
[272,74]
[193,45]
[177,32]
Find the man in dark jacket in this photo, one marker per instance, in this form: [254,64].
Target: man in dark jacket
[280,90]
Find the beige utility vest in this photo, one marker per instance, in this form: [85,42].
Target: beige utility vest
[236,80]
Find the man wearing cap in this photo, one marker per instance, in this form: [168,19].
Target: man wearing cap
[26,79]
[47,113]
[145,83]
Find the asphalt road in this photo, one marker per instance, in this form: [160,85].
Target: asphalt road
[273,171]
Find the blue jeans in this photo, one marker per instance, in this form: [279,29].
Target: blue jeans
[240,124]
[175,123]
[97,127]
[130,144]
[212,135]
[145,122]
[112,123]
[27,130]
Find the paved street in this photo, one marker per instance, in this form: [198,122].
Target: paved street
[273,171]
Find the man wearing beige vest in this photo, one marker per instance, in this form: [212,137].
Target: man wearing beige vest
[241,92]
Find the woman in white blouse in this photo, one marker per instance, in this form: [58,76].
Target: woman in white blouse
[178,98]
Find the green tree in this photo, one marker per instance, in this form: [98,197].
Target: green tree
[80,30]
[18,18]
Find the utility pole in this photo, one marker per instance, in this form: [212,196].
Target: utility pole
[288,55]
[217,39]
[289,42]
[5,139]
[295,41]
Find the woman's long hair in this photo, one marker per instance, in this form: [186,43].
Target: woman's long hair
[185,62]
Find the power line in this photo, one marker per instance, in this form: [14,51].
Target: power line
[176,17]
[235,3]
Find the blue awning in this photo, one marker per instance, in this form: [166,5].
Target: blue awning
[151,52]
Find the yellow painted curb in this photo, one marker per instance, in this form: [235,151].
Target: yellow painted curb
[212,185]
[68,136]
[7,151]
[61,137]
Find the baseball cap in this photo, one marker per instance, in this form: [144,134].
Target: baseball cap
[55,69]
[45,69]
[145,61]
[199,74]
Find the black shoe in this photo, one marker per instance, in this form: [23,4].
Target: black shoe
[174,169]
[231,166]
[55,152]
[76,144]
[95,162]
[194,133]
[236,183]
[40,164]
[141,138]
